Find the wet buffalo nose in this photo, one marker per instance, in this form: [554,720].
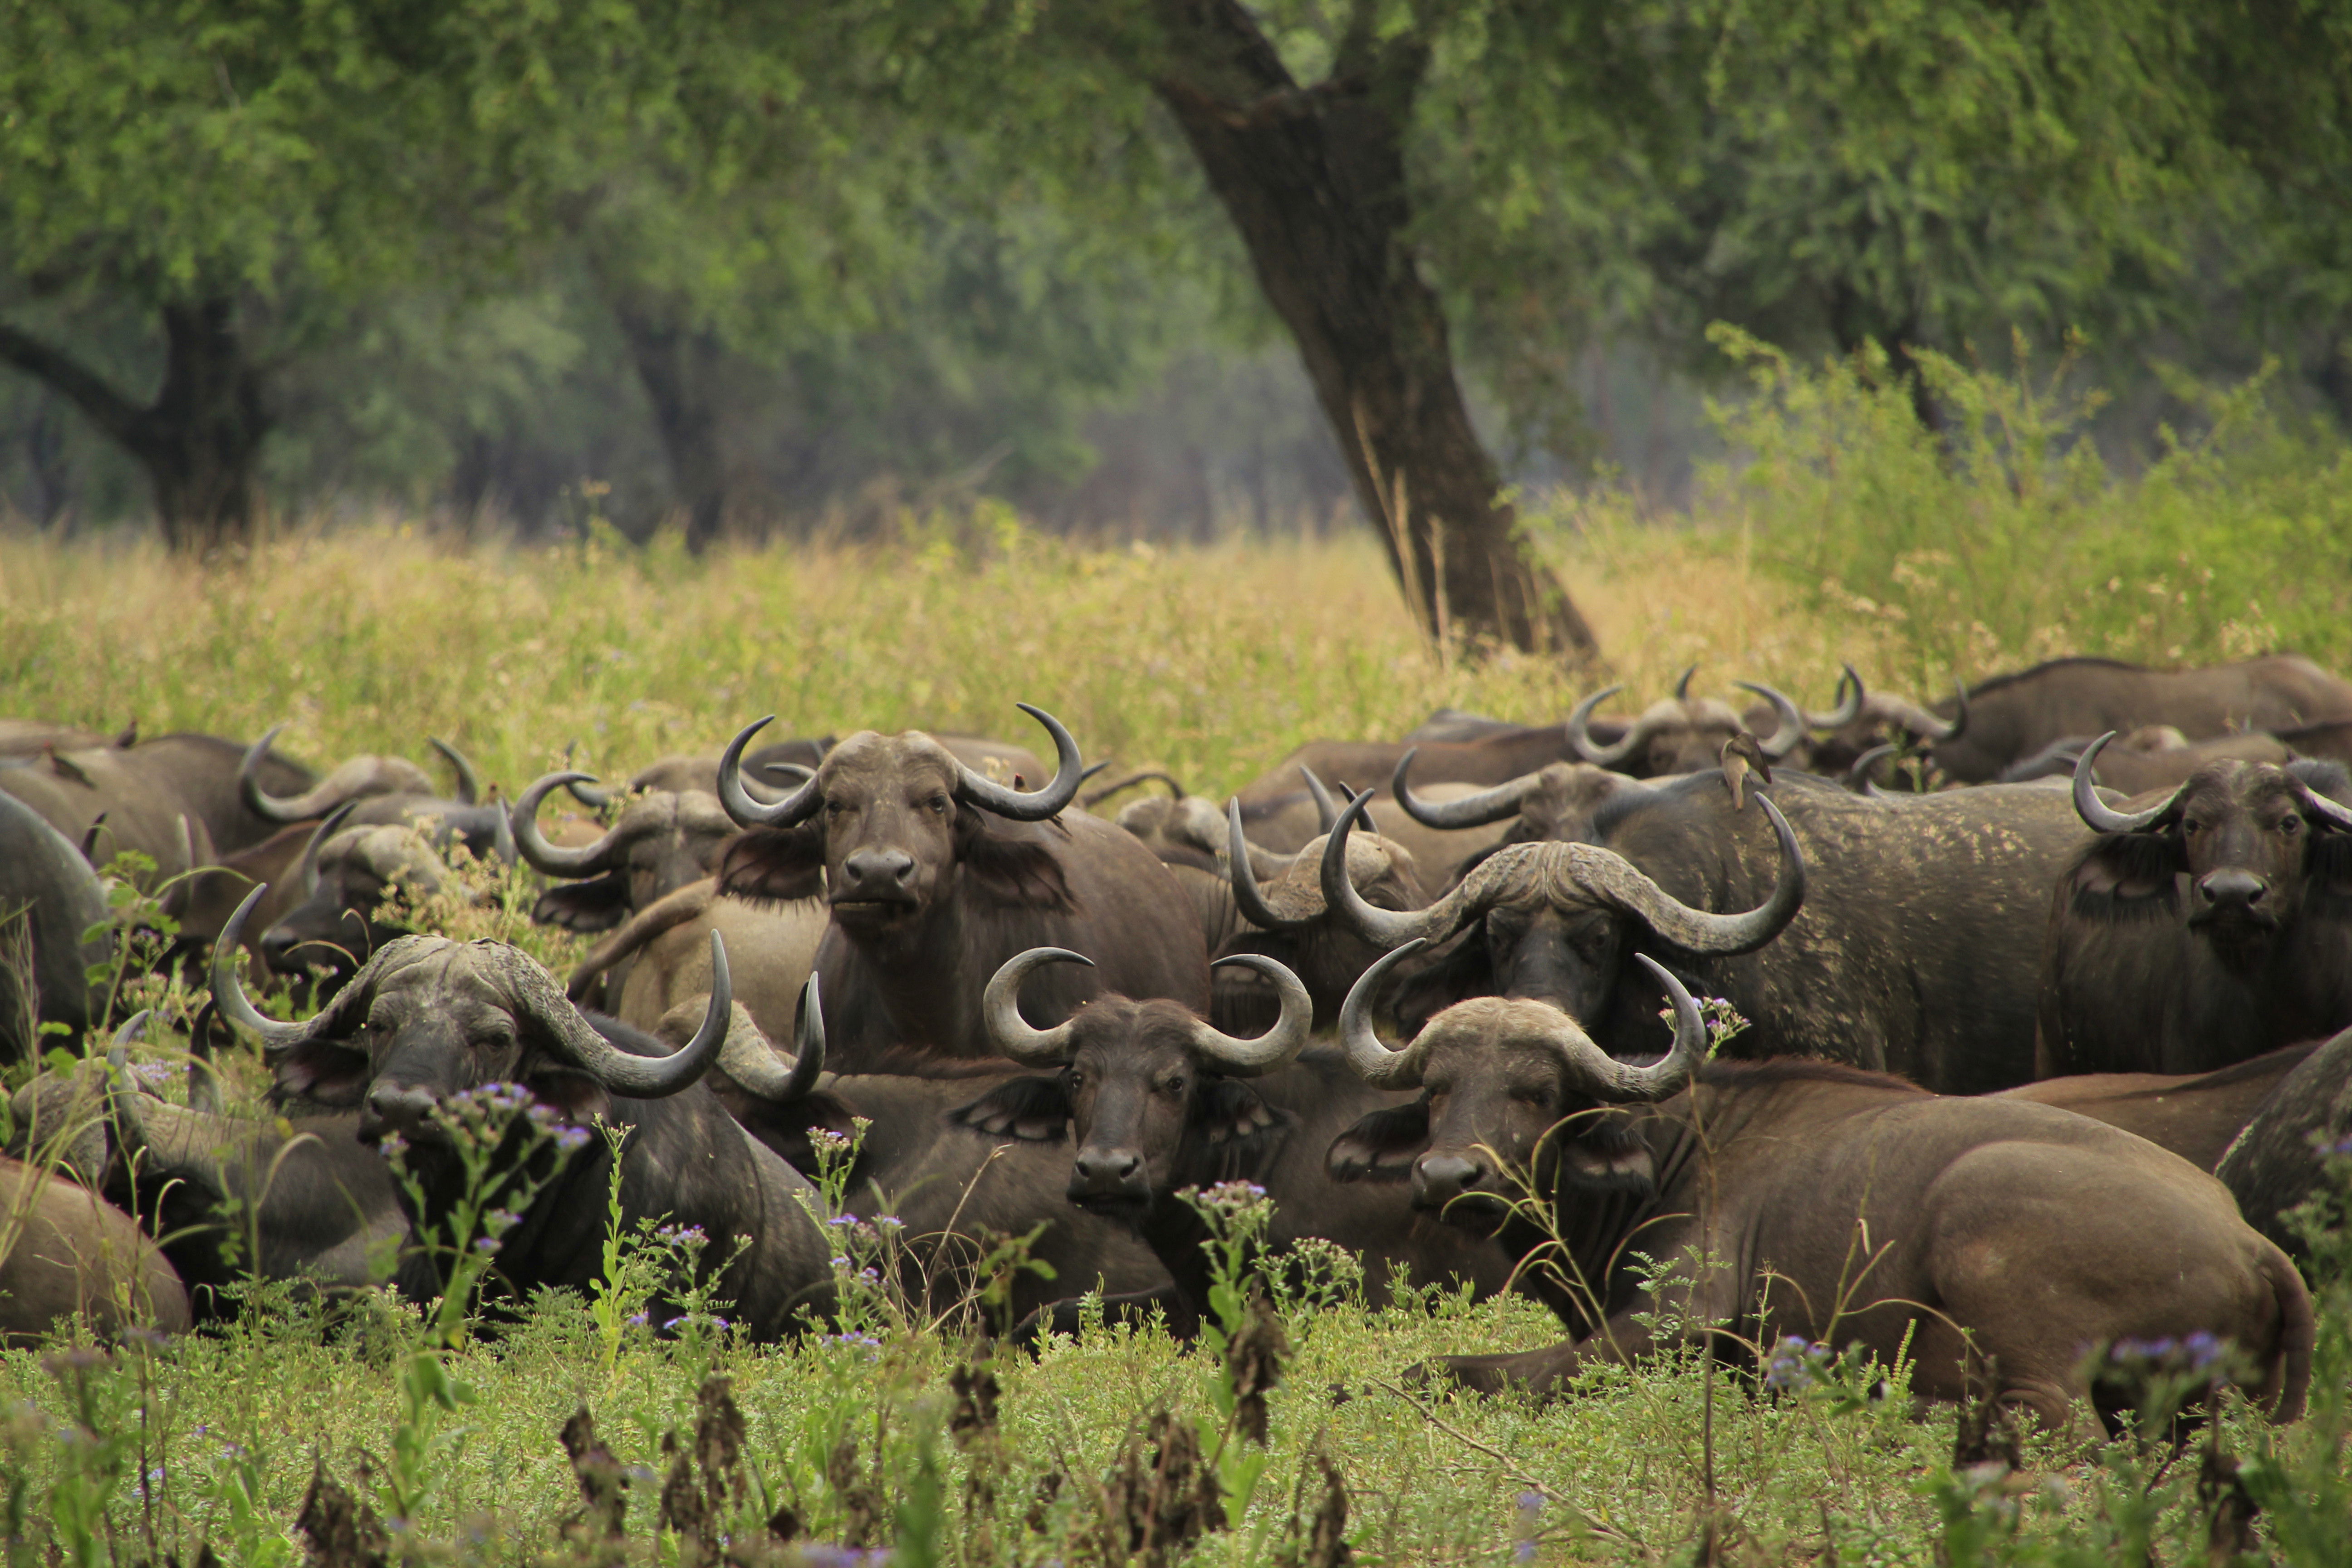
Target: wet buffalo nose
[880,870]
[1439,1178]
[395,1108]
[1103,1167]
[2232,890]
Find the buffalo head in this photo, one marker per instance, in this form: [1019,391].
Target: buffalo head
[357,881]
[359,779]
[1681,734]
[662,840]
[1516,1098]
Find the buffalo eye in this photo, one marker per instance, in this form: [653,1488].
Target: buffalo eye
[1173,1088]
[836,807]
[2290,825]
[938,802]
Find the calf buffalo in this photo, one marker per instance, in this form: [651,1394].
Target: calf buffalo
[428,1020]
[935,876]
[1810,1199]
[2212,925]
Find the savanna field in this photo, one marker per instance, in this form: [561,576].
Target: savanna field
[1847,537]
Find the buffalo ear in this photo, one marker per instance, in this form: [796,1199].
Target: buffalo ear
[600,903]
[1010,863]
[790,1130]
[2125,876]
[577,1097]
[1229,1109]
[325,1073]
[1029,1109]
[777,865]
[1382,1146]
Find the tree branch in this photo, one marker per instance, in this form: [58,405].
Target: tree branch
[108,408]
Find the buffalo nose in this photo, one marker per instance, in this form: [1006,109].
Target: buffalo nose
[277,947]
[1439,1178]
[2232,890]
[396,1107]
[1100,1167]
[880,870]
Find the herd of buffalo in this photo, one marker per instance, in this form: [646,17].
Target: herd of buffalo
[2026,1019]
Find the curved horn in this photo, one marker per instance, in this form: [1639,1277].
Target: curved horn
[1849,697]
[258,801]
[469,782]
[327,828]
[1791,729]
[1370,1058]
[502,840]
[1326,810]
[1611,875]
[556,860]
[638,1077]
[2103,817]
[2334,812]
[1370,826]
[751,1062]
[1011,1033]
[1908,715]
[1279,1045]
[1385,927]
[794,808]
[228,992]
[1471,810]
[1666,1076]
[1069,767]
[1682,686]
[1857,777]
[1581,741]
[1094,797]
[1247,898]
[595,797]
[193,1162]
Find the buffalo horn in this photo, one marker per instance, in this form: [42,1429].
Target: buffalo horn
[1792,728]
[469,782]
[1278,1046]
[1613,877]
[258,801]
[751,1062]
[1582,739]
[555,860]
[1849,697]
[595,797]
[635,1077]
[1370,1058]
[1247,898]
[1918,720]
[502,841]
[2104,818]
[1682,685]
[192,1163]
[1069,770]
[1610,1080]
[794,808]
[1326,810]
[1000,1006]
[228,992]
[1469,811]
[327,828]
[1385,927]
[2334,813]
[1857,777]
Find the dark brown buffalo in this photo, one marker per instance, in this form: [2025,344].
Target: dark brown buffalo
[2294,1148]
[1156,1100]
[1901,934]
[662,840]
[788,761]
[952,1192]
[2212,924]
[1557,805]
[661,958]
[203,902]
[389,789]
[72,1253]
[2195,1115]
[106,807]
[197,772]
[1683,733]
[935,876]
[1285,918]
[361,885]
[2010,717]
[1861,721]
[1810,1199]
[2155,756]
[50,898]
[428,1020]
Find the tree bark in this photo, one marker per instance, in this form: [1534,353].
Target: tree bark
[199,441]
[1314,179]
[673,365]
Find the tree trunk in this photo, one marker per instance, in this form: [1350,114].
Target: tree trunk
[199,441]
[1314,179]
[674,365]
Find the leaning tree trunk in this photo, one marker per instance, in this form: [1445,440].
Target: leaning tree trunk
[1314,179]
[674,365]
[200,440]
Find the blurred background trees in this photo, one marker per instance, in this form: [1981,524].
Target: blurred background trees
[1172,265]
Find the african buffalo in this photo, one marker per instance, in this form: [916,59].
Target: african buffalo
[1812,1199]
[779,761]
[662,957]
[48,897]
[360,882]
[392,788]
[105,806]
[1286,919]
[1897,934]
[2212,925]
[1156,1102]
[1683,733]
[428,1020]
[2292,1149]
[935,876]
[191,774]
[1861,721]
[2155,756]
[69,1251]
[2195,1115]
[2012,716]
[1555,804]
[661,841]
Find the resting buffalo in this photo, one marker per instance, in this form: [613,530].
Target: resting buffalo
[427,1020]
[935,876]
[1916,950]
[1683,733]
[105,806]
[48,892]
[2155,756]
[1812,1199]
[72,1252]
[2195,1115]
[954,1191]
[384,789]
[1156,1102]
[2291,1150]
[780,761]
[359,885]
[144,787]
[1557,805]
[2010,717]
[662,840]
[662,957]
[2212,925]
